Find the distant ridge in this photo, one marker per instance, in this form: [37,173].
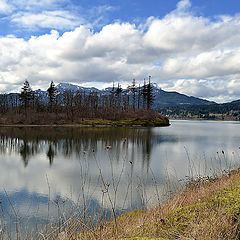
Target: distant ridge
[165,99]
[61,87]
[162,98]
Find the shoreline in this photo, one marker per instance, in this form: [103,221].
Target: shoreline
[205,119]
[207,208]
[157,122]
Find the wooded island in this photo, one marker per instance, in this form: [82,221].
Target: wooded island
[116,107]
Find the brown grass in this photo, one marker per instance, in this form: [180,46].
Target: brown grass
[205,209]
[61,117]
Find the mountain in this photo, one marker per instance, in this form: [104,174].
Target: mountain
[62,87]
[235,102]
[162,98]
[165,99]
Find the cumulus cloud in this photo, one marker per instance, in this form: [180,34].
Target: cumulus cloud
[183,52]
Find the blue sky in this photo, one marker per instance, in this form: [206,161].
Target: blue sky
[98,13]
[190,46]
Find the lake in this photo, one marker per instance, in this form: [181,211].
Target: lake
[48,172]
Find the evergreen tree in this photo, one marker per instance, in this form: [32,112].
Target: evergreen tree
[52,93]
[133,90]
[139,96]
[118,93]
[112,99]
[144,93]
[118,90]
[149,94]
[26,95]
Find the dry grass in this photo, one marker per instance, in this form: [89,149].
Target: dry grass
[110,117]
[205,209]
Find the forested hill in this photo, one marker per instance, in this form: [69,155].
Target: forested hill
[165,99]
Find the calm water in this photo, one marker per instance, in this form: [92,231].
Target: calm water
[46,173]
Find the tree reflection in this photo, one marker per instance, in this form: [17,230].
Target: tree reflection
[25,153]
[132,143]
[147,148]
[50,154]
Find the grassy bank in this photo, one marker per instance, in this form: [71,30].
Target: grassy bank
[159,121]
[206,209]
[62,116]
[153,122]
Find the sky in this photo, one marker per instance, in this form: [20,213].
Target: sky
[189,46]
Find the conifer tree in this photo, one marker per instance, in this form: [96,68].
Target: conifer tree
[149,94]
[133,89]
[118,93]
[52,93]
[144,93]
[26,95]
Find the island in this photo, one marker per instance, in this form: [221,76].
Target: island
[63,105]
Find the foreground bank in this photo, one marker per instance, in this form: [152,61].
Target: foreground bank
[206,209]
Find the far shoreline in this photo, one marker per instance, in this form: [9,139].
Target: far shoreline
[203,119]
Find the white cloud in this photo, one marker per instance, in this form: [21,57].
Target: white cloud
[35,5]
[203,65]
[52,14]
[47,19]
[182,52]
[101,9]
[176,33]
[5,7]
[45,14]
[183,5]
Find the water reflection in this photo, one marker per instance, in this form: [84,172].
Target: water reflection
[80,167]
[71,142]
[46,169]
[51,154]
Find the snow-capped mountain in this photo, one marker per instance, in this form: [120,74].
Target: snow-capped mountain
[62,87]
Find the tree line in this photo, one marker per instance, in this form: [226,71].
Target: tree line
[118,103]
